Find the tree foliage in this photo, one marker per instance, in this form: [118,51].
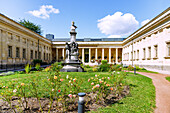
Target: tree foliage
[31,26]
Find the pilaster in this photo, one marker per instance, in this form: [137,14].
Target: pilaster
[109,55]
[56,54]
[89,55]
[83,55]
[96,57]
[63,54]
[102,53]
[116,55]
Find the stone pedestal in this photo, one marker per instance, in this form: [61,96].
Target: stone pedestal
[72,63]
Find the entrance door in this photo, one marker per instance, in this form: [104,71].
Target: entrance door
[86,58]
[86,51]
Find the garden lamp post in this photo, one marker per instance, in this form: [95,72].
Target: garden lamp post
[81,102]
[135,70]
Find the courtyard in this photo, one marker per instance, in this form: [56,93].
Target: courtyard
[130,91]
[115,58]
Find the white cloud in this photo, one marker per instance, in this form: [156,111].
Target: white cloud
[44,11]
[114,36]
[118,24]
[144,22]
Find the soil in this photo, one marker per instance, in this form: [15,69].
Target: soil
[162,91]
[91,103]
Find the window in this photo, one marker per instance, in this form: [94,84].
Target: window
[10,51]
[137,54]
[134,55]
[24,53]
[156,51]
[131,55]
[149,52]
[31,55]
[39,55]
[144,54]
[17,52]
[168,50]
[35,54]
[44,55]
[47,56]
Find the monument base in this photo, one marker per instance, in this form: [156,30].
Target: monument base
[70,68]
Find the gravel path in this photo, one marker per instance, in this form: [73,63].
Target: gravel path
[162,91]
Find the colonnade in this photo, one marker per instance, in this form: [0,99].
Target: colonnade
[90,53]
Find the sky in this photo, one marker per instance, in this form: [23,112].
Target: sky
[93,18]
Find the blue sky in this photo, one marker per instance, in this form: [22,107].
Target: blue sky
[94,18]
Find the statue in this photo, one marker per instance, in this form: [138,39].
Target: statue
[72,63]
[73,27]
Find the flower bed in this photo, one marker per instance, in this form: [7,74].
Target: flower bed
[58,93]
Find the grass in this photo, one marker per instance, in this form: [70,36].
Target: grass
[140,99]
[147,71]
[168,78]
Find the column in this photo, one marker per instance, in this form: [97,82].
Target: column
[83,55]
[89,55]
[116,55]
[123,55]
[96,55]
[102,53]
[0,48]
[63,54]
[56,54]
[109,55]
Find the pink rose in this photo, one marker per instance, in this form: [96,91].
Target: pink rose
[70,95]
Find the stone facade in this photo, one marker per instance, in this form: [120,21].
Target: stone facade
[149,46]
[20,45]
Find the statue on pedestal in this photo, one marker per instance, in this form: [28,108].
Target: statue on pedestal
[72,63]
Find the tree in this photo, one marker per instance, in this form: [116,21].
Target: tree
[31,26]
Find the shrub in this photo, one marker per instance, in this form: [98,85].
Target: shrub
[143,69]
[56,66]
[89,69]
[137,68]
[104,61]
[37,61]
[28,68]
[38,67]
[130,68]
[116,67]
[87,66]
[47,69]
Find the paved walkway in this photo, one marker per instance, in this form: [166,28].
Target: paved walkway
[162,91]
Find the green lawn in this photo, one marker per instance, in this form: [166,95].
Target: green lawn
[147,71]
[168,78]
[141,97]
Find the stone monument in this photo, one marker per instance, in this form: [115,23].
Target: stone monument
[72,63]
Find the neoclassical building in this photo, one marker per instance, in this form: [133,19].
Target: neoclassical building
[147,47]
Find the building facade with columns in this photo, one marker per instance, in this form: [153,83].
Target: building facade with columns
[92,49]
[147,47]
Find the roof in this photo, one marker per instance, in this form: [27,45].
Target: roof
[90,39]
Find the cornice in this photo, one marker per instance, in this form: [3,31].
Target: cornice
[7,21]
[164,17]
